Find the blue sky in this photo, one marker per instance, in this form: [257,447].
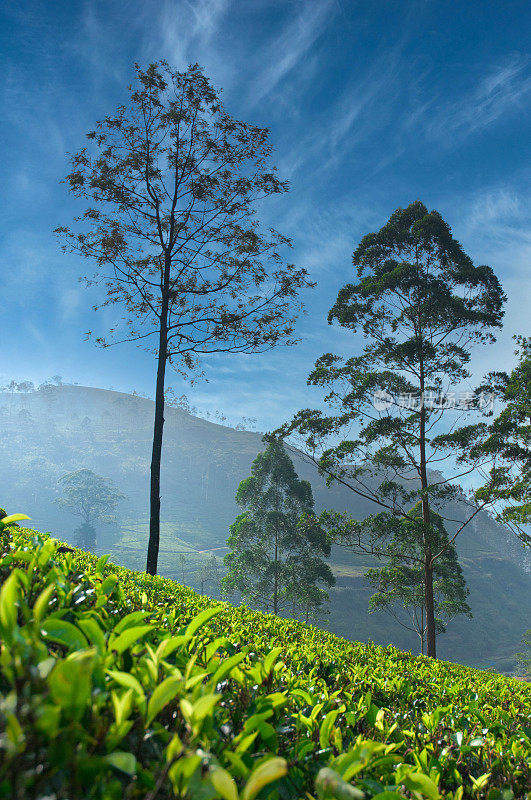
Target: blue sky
[371,105]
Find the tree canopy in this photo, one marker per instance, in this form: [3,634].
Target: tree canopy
[276,544]
[172,182]
[89,496]
[420,304]
[507,441]
[399,583]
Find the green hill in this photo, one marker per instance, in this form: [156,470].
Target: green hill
[46,433]
[115,684]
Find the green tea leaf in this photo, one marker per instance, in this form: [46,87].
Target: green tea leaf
[202,619]
[127,680]
[331,786]
[162,695]
[70,683]
[58,630]
[100,565]
[263,775]
[223,783]
[93,632]
[129,637]
[203,707]
[418,782]
[109,584]
[129,620]
[226,667]
[12,518]
[124,762]
[9,595]
[42,601]
[326,728]
[270,658]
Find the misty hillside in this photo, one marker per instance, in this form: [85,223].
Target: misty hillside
[45,434]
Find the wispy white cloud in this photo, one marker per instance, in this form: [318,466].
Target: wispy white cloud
[363,109]
[494,226]
[69,301]
[207,15]
[281,55]
[497,223]
[499,92]
[326,234]
[38,336]
[494,206]
[189,31]
[356,113]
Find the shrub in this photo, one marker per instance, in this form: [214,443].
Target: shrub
[115,684]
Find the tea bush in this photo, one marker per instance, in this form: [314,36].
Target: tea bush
[115,684]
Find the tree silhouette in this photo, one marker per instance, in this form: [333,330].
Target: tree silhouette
[172,183]
[420,304]
[276,545]
[91,497]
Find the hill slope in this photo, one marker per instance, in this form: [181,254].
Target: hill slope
[115,684]
[45,434]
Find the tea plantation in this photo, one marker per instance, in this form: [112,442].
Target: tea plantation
[117,685]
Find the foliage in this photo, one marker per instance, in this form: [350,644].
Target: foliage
[89,496]
[86,537]
[524,658]
[209,575]
[276,544]
[508,441]
[400,583]
[420,303]
[121,685]
[172,182]
[10,520]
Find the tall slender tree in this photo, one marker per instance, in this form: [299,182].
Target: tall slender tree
[420,304]
[399,583]
[172,182]
[208,574]
[276,544]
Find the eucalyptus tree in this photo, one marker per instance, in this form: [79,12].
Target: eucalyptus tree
[276,544]
[399,583]
[507,441]
[420,304]
[172,183]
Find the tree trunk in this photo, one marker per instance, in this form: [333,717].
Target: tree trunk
[154,517]
[431,649]
[275,591]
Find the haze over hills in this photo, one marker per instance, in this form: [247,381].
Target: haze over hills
[47,433]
